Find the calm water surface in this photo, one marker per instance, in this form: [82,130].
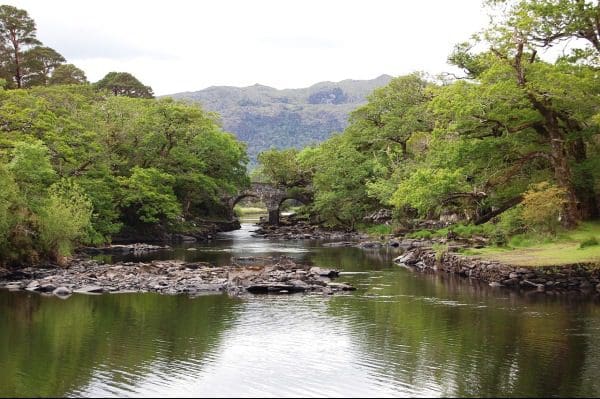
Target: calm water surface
[399,334]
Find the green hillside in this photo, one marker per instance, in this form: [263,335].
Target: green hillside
[265,117]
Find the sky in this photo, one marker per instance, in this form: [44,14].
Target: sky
[188,45]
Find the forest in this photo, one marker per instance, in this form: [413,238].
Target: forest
[512,140]
[81,163]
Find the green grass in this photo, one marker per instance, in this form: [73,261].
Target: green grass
[531,250]
[379,229]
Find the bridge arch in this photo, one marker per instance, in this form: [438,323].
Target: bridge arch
[270,195]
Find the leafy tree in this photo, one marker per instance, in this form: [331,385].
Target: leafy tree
[17,32]
[67,74]
[32,170]
[339,183]
[149,194]
[282,167]
[124,84]
[39,63]
[393,114]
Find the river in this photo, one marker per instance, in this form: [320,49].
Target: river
[399,334]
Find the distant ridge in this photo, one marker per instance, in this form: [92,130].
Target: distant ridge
[266,117]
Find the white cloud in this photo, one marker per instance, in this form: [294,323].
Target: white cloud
[184,45]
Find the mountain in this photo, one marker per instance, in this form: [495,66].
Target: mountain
[266,117]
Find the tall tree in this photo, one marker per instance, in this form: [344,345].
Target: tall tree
[38,64]
[17,32]
[67,74]
[124,84]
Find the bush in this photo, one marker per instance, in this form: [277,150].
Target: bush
[65,219]
[440,251]
[590,242]
[542,207]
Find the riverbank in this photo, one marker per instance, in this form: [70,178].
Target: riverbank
[291,228]
[192,231]
[246,275]
[583,277]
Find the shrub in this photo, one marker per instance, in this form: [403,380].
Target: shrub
[440,251]
[542,207]
[65,218]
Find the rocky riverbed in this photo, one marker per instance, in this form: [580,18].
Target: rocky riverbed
[246,275]
[293,229]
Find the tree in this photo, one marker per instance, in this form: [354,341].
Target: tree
[124,84]
[549,22]
[38,64]
[281,167]
[17,32]
[67,74]
[394,113]
[520,95]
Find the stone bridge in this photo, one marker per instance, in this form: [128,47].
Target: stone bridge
[272,196]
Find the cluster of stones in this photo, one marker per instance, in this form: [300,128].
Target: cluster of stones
[301,230]
[582,277]
[176,277]
[134,249]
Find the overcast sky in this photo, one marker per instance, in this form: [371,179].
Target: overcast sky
[185,45]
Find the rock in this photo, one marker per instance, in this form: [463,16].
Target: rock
[266,288]
[513,275]
[585,284]
[47,287]
[192,249]
[394,243]
[33,286]
[370,244]
[495,284]
[62,291]
[14,286]
[324,272]
[341,286]
[89,289]
[408,258]
[340,244]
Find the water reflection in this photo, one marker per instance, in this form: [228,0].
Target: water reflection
[400,334]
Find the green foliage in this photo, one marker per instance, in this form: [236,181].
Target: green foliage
[423,234]
[542,206]
[440,250]
[67,74]
[380,229]
[139,163]
[124,84]
[423,189]
[149,193]
[282,167]
[65,219]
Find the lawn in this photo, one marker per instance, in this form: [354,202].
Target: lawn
[564,250]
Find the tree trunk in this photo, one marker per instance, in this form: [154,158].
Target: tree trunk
[503,208]
[588,205]
[563,174]
[18,77]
